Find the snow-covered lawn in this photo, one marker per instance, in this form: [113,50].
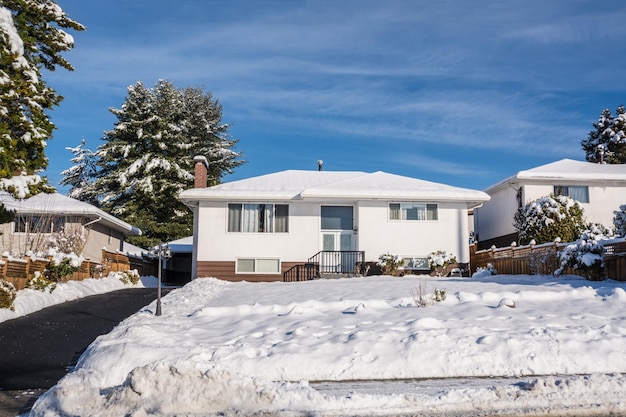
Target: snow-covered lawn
[225,348]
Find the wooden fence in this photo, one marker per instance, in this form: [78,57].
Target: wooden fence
[19,271]
[544,259]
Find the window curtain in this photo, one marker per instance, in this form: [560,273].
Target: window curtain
[251,217]
[281,218]
[431,212]
[234,217]
[580,194]
[394,211]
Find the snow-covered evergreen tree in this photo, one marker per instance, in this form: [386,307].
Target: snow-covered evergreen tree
[31,39]
[619,221]
[146,160]
[610,132]
[80,175]
[547,218]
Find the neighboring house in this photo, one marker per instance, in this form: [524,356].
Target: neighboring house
[599,188]
[55,216]
[258,228]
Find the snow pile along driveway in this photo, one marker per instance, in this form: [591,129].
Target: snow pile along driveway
[229,348]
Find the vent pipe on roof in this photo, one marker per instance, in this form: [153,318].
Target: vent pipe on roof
[600,150]
[319,165]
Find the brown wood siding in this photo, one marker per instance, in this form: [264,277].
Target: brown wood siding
[225,270]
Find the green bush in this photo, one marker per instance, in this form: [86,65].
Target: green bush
[58,271]
[7,294]
[547,218]
[129,277]
[389,263]
[41,283]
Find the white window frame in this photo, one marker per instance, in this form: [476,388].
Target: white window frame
[401,215]
[255,263]
[241,225]
[564,190]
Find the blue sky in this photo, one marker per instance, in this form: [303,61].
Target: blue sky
[464,93]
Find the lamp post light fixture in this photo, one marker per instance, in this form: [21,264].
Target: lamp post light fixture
[163,253]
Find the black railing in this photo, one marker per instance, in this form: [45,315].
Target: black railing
[328,264]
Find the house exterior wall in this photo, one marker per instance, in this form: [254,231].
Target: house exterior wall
[377,234]
[495,218]
[217,249]
[101,237]
[98,237]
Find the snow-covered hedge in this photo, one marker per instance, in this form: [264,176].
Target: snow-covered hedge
[586,255]
[548,218]
[389,263]
[619,221]
[7,294]
[440,259]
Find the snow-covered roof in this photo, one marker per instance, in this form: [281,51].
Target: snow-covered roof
[182,245]
[334,185]
[568,170]
[59,204]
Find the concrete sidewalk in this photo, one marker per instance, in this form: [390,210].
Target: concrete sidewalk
[38,349]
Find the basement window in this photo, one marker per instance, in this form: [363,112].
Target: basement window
[258,266]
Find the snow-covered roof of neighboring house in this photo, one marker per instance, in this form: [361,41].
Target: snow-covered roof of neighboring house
[334,185]
[568,170]
[182,245]
[59,204]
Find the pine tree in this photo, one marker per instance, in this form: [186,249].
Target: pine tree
[31,39]
[610,132]
[146,160]
[79,176]
[547,218]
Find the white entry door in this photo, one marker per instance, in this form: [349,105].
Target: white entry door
[337,235]
[337,240]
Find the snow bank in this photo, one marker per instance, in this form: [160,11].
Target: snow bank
[225,348]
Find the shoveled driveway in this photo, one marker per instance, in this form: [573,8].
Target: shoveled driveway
[38,349]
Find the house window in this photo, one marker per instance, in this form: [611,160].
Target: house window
[337,218]
[258,218]
[38,224]
[258,266]
[413,211]
[579,193]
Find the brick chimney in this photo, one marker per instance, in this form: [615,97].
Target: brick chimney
[200,170]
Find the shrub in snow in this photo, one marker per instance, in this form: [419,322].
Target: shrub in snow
[547,218]
[487,271]
[389,263]
[129,277]
[68,240]
[585,255]
[422,297]
[62,265]
[598,232]
[7,294]
[41,283]
[619,221]
[439,260]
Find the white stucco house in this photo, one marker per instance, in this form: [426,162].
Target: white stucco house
[599,188]
[256,229]
[44,216]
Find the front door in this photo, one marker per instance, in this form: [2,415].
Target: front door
[337,238]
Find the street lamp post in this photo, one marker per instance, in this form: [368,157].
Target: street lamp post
[158,303]
[163,253]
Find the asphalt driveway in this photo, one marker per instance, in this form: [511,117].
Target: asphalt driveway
[38,349]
